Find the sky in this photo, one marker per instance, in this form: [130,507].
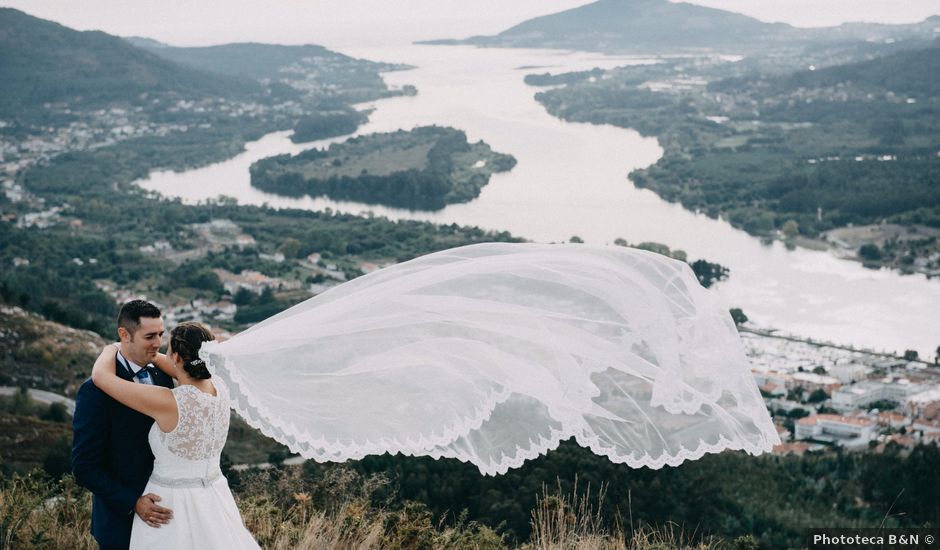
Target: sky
[352,23]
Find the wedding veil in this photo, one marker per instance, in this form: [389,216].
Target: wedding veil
[494,353]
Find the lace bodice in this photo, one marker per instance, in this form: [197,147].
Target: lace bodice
[193,448]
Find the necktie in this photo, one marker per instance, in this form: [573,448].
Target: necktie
[144,376]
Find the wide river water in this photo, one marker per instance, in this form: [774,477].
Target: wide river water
[571,179]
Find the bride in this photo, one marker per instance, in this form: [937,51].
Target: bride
[190,428]
[490,353]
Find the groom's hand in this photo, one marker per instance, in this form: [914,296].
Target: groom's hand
[152,513]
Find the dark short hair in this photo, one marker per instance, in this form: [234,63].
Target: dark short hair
[132,311]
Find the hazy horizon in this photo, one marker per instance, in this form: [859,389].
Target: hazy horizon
[338,24]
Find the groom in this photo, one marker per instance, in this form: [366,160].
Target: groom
[110,452]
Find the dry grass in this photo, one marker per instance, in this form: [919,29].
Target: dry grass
[285,510]
[572,522]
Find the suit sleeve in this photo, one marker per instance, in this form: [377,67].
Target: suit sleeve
[90,424]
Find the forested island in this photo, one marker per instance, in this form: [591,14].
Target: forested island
[425,168]
[790,155]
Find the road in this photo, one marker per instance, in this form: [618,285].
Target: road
[43,397]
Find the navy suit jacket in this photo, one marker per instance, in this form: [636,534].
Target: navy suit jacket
[111,457]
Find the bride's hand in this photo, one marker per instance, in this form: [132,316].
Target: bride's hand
[105,360]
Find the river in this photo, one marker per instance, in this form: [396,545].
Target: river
[571,179]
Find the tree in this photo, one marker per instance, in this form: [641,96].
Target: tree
[738,316]
[243,297]
[936,358]
[795,394]
[575,239]
[910,355]
[870,252]
[820,371]
[290,248]
[623,242]
[818,396]
[658,248]
[56,413]
[798,412]
[709,273]
[791,229]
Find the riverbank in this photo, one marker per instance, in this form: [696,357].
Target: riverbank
[794,158]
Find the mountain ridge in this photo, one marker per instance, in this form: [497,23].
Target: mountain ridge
[663,26]
[45,62]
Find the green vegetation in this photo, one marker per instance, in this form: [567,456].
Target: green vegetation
[738,316]
[327,124]
[425,168]
[707,273]
[789,155]
[548,79]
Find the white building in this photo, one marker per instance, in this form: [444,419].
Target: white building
[864,393]
[842,430]
[849,372]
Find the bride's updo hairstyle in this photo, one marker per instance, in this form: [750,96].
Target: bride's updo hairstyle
[186,339]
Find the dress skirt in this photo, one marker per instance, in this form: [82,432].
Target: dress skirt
[203,518]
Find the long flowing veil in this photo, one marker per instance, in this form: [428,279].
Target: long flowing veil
[494,353]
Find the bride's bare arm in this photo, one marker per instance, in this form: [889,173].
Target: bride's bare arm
[156,402]
[162,362]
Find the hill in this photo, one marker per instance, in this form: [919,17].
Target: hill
[309,68]
[38,353]
[663,26]
[909,73]
[44,62]
[650,23]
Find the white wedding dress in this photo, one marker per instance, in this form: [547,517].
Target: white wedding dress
[187,477]
[494,353]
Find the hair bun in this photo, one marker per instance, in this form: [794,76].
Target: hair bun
[186,339]
[197,369]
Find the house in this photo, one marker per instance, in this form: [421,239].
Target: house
[773,390]
[251,280]
[811,382]
[890,419]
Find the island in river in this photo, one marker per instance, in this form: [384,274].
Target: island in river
[422,169]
